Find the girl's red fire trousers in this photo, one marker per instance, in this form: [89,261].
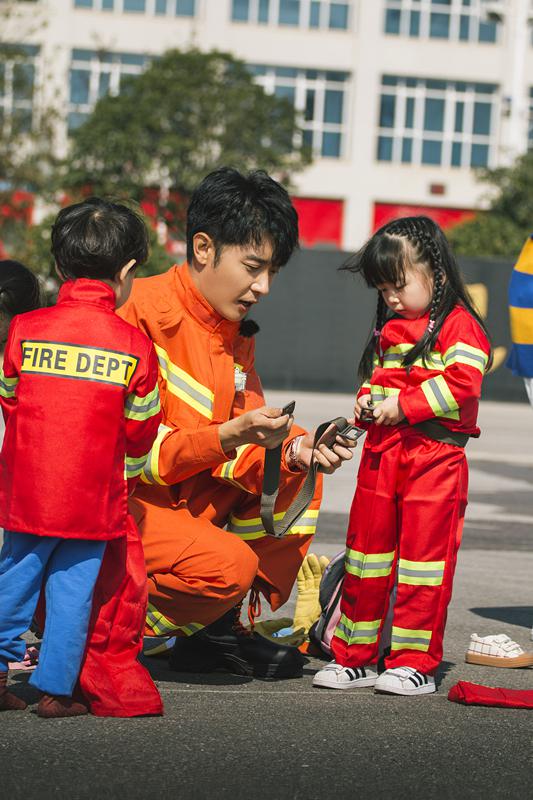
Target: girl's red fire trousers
[406,518]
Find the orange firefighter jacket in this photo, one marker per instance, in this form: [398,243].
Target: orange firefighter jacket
[206,377]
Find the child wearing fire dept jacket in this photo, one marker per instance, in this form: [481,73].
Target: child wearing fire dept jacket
[79,394]
[421,380]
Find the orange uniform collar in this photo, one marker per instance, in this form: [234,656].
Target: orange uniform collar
[198,307]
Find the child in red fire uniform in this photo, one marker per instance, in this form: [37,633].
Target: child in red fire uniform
[421,380]
[79,395]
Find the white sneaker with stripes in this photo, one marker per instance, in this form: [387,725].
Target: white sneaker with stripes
[406,681]
[333,676]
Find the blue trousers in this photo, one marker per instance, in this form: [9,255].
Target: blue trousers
[68,569]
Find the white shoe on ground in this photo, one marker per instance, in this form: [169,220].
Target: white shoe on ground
[496,651]
[333,676]
[404,680]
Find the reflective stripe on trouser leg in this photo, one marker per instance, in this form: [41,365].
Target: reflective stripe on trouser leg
[370,560]
[161,626]
[196,571]
[432,500]
[362,632]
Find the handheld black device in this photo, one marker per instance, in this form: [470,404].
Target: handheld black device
[289,408]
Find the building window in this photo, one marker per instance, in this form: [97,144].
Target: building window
[435,122]
[455,20]
[173,8]
[94,74]
[324,14]
[320,97]
[17,84]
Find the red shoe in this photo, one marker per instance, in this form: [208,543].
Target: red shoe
[52,706]
[9,701]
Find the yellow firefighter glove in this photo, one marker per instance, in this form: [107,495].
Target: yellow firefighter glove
[308,609]
[281,631]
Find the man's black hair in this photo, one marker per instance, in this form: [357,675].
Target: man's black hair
[96,238]
[19,289]
[241,210]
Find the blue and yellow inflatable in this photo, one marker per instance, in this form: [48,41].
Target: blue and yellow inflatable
[520,359]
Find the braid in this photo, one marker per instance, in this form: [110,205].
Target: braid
[419,236]
[366,365]
[381,316]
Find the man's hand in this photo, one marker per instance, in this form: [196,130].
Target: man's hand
[330,458]
[361,404]
[389,412]
[265,426]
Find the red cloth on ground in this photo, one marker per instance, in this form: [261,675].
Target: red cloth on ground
[112,680]
[477,695]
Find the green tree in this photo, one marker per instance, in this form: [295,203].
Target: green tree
[28,162]
[187,114]
[503,229]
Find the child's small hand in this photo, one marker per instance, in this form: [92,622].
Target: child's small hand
[389,412]
[360,404]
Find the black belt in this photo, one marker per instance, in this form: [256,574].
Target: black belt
[301,502]
[434,430]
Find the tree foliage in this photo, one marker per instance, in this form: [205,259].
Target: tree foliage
[28,160]
[187,114]
[502,230]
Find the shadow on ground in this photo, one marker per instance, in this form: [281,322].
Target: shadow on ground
[512,615]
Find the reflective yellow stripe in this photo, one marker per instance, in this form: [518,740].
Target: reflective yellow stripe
[162,626]
[410,639]
[440,398]
[462,353]
[248,529]
[393,358]
[365,632]
[379,393]
[420,573]
[150,473]
[227,470]
[184,386]
[7,385]
[134,466]
[141,408]
[368,565]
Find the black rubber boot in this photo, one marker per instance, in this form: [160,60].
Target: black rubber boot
[227,645]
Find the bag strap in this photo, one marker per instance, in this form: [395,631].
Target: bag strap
[302,501]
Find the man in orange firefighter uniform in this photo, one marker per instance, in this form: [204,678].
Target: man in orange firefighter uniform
[197,504]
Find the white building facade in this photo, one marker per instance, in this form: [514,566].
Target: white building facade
[400,100]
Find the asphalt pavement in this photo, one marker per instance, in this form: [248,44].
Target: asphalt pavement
[224,736]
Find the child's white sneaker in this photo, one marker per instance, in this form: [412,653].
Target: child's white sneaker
[404,680]
[497,651]
[333,676]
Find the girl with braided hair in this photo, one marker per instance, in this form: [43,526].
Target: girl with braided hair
[421,376]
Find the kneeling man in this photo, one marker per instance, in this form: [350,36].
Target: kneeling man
[198,504]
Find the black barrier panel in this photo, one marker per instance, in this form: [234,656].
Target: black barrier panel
[316,320]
